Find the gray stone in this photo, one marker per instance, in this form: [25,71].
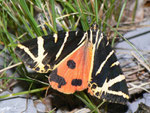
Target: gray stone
[17,105]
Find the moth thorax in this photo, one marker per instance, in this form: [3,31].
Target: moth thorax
[94,27]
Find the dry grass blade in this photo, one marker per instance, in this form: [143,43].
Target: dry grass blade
[9,67]
[141,62]
[133,72]
[136,86]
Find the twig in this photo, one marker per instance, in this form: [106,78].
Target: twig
[133,72]
[9,67]
[138,86]
[126,50]
[128,69]
[141,62]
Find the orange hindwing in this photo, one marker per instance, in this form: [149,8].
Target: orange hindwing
[73,72]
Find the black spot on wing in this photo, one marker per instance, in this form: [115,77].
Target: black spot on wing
[93,86]
[71,64]
[37,69]
[97,93]
[56,78]
[46,67]
[76,82]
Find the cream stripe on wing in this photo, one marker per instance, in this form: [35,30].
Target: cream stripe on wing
[110,83]
[100,39]
[91,35]
[116,80]
[84,36]
[41,55]
[119,93]
[76,33]
[102,65]
[107,43]
[97,34]
[27,51]
[115,64]
[62,46]
[55,37]
[93,53]
[41,50]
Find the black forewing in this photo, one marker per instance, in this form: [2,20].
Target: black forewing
[51,49]
[108,72]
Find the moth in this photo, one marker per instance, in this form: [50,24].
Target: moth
[77,60]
